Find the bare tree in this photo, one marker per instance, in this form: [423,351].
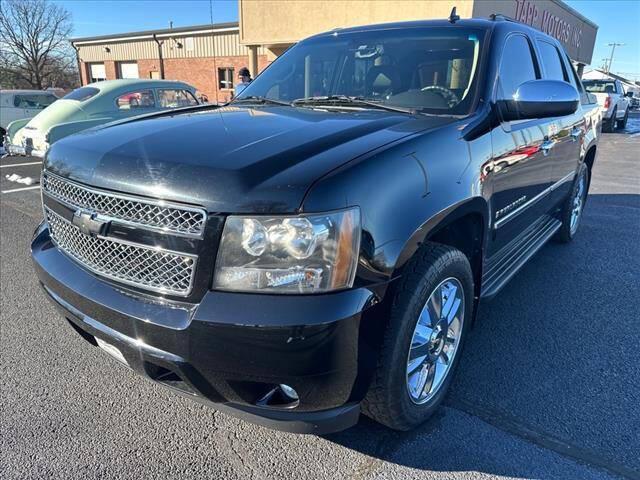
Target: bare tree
[34,42]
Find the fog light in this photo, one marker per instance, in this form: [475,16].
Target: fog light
[289,392]
[281,397]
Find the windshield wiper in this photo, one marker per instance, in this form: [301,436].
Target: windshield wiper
[256,99]
[339,100]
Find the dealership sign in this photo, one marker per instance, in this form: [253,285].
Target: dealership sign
[528,12]
[552,17]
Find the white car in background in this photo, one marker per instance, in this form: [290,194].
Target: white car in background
[614,102]
[19,104]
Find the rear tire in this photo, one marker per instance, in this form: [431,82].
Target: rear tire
[610,125]
[573,206]
[405,391]
[622,124]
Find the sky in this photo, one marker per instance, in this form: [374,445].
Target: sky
[618,21]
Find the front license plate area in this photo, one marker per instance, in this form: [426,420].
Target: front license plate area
[112,350]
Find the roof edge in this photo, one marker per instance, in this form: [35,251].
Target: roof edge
[576,13]
[206,28]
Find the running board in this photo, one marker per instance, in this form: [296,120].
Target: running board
[505,264]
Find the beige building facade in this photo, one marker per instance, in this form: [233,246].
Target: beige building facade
[277,24]
[206,56]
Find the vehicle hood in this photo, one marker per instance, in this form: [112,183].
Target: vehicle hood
[60,111]
[232,159]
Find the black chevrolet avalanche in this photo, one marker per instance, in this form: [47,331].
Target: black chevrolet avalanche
[319,246]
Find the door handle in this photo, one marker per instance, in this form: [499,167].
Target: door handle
[576,133]
[546,146]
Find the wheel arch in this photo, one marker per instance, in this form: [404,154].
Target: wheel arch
[464,226]
[589,160]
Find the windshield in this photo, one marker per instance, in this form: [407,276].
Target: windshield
[428,69]
[599,86]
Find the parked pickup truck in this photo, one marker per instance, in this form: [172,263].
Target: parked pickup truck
[319,246]
[614,102]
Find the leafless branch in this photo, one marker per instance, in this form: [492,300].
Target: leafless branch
[34,41]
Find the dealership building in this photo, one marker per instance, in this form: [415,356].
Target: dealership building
[209,56]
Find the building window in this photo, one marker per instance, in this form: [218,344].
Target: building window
[225,78]
[128,70]
[97,72]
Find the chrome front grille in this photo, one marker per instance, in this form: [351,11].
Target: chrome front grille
[153,215]
[133,264]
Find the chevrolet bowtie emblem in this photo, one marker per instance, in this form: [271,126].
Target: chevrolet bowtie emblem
[88,223]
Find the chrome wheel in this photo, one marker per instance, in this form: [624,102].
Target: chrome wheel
[578,204]
[435,341]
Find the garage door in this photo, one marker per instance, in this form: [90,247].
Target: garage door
[98,72]
[128,70]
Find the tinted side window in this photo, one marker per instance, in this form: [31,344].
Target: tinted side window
[550,58]
[172,98]
[136,100]
[517,65]
[37,100]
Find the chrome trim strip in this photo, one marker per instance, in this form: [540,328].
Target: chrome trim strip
[524,206]
[159,203]
[539,242]
[131,244]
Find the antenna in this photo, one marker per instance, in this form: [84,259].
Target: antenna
[453,17]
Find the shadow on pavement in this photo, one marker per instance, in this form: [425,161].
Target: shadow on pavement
[554,358]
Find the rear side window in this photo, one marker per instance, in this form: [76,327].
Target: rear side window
[81,94]
[35,100]
[136,100]
[172,98]
[552,63]
[517,65]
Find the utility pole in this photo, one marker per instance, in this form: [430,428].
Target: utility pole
[613,49]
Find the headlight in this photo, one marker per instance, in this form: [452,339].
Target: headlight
[289,254]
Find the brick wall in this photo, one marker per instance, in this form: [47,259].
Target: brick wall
[200,72]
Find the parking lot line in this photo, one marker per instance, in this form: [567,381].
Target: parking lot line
[21,189]
[20,164]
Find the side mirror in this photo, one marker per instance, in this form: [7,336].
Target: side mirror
[629,94]
[540,99]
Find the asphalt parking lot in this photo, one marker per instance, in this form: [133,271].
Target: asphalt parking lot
[548,386]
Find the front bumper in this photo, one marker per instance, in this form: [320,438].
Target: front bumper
[23,150]
[229,349]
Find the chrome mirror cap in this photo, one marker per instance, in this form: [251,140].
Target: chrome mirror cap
[540,99]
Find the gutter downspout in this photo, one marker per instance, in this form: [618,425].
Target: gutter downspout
[161,60]
[73,45]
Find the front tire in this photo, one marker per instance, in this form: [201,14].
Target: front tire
[622,124]
[430,314]
[573,206]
